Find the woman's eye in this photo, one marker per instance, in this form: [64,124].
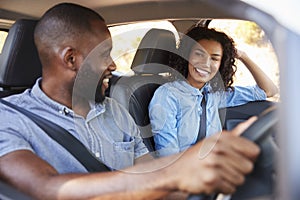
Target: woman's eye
[200,54]
[215,59]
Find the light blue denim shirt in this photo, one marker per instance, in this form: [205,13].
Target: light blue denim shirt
[175,112]
[108,131]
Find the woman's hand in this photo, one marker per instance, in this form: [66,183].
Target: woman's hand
[241,54]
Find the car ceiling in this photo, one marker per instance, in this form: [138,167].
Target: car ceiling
[182,13]
[37,8]
[132,10]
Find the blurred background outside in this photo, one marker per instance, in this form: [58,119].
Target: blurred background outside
[248,36]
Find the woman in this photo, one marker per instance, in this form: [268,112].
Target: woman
[207,61]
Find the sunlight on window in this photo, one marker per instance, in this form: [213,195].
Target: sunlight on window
[126,39]
[250,38]
[3,35]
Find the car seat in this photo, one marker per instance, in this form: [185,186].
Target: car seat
[19,61]
[151,69]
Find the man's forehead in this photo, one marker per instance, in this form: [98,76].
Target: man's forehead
[99,35]
[99,26]
[104,42]
[101,46]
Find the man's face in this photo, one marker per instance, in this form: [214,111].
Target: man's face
[96,66]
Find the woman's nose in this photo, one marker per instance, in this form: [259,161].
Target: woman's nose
[205,61]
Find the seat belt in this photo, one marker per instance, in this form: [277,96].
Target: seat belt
[202,128]
[65,139]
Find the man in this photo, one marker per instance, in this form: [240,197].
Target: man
[65,37]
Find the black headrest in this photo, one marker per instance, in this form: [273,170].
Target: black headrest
[150,64]
[156,47]
[19,61]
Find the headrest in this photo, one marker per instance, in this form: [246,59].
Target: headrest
[156,47]
[19,61]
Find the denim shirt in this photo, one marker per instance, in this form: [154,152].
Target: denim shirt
[175,112]
[108,131]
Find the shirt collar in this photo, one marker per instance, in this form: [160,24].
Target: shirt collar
[96,110]
[185,87]
[44,99]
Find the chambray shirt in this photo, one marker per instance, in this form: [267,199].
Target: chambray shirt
[175,112]
[108,131]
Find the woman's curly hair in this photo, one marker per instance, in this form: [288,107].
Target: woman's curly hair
[222,80]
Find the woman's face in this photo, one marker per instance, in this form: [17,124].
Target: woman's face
[204,62]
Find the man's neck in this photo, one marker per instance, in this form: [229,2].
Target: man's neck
[63,96]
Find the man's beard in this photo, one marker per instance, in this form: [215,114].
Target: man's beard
[88,85]
[99,94]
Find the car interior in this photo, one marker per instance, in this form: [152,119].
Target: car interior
[20,67]
[151,69]
[18,52]
[150,66]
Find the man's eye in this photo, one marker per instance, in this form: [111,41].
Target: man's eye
[105,55]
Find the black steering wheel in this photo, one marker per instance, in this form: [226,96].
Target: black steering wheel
[260,181]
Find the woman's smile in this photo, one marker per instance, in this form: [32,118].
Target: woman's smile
[202,72]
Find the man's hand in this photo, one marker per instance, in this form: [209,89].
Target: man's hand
[218,163]
[241,127]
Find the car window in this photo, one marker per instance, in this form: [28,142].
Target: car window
[126,39]
[3,35]
[250,38]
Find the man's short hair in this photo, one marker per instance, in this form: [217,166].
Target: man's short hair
[63,23]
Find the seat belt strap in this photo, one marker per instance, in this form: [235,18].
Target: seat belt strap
[65,139]
[202,128]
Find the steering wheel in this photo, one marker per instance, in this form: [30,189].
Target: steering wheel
[261,179]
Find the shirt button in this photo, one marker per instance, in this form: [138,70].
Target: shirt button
[64,111]
[97,154]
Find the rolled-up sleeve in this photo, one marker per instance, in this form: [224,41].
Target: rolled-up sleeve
[241,95]
[10,137]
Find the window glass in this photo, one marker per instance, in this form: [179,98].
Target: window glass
[250,38]
[126,39]
[3,35]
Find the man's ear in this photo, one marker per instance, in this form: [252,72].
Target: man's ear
[68,56]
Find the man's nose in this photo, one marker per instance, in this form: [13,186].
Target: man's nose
[112,66]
